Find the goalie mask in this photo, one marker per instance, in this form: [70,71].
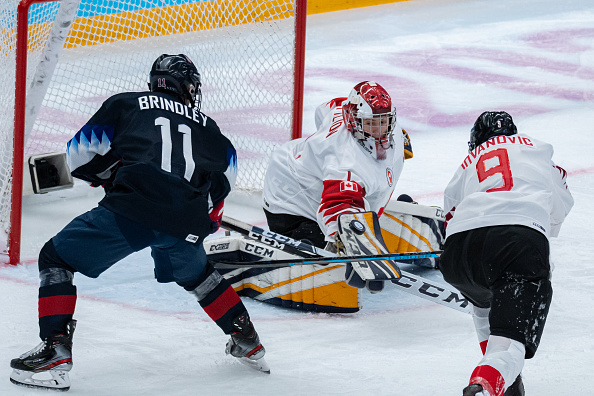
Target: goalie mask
[490,124]
[177,75]
[370,117]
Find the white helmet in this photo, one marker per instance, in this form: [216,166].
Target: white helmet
[370,117]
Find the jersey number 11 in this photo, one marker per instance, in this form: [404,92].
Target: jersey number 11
[167,147]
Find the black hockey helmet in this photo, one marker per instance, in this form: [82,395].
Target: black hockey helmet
[177,75]
[490,124]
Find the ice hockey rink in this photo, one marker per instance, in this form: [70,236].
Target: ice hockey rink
[444,62]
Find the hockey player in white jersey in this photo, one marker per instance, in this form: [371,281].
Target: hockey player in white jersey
[351,164]
[505,200]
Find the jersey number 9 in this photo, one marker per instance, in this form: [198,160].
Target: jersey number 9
[502,169]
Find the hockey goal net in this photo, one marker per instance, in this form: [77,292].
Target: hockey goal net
[80,52]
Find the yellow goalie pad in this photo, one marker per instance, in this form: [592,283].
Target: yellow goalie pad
[406,227]
[316,288]
[410,227]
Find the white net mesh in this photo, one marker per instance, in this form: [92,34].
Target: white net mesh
[244,51]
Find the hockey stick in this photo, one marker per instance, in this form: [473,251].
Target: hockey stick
[398,257]
[275,240]
[409,283]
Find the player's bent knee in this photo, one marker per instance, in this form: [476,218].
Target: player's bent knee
[520,310]
[205,284]
[49,258]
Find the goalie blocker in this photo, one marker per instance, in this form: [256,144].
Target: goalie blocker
[406,227]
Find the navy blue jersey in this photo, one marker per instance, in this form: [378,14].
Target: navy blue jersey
[162,164]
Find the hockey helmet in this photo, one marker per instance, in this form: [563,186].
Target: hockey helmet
[177,75]
[369,115]
[491,124]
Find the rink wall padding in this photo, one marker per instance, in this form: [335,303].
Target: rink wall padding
[321,6]
[148,21]
[143,23]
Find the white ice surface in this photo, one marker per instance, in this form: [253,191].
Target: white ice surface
[444,62]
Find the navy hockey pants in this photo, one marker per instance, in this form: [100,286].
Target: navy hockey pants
[93,242]
[96,240]
[507,269]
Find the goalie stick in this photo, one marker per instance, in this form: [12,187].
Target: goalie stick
[273,239]
[409,283]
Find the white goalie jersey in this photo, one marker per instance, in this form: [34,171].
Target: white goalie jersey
[508,180]
[329,173]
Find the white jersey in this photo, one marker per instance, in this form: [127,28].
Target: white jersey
[329,173]
[508,180]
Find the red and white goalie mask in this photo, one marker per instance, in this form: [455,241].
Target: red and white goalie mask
[370,117]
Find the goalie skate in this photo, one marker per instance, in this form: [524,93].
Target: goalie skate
[46,366]
[245,345]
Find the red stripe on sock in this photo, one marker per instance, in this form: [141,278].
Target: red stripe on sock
[57,305]
[222,304]
[490,379]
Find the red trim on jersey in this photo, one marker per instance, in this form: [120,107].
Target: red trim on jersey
[341,195]
[381,210]
[484,346]
[489,378]
[222,304]
[57,305]
[335,102]
[333,213]
[448,217]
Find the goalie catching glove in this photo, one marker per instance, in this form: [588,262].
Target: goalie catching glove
[360,234]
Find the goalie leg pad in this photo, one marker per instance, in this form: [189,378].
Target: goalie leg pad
[410,227]
[353,278]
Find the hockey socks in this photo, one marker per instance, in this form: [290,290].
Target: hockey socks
[501,365]
[480,317]
[57,294]
[218,299]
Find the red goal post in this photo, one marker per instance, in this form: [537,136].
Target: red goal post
[65,57]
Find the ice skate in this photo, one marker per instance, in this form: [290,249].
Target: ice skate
[516,389]
[474,390]
[245,345]
[46,366]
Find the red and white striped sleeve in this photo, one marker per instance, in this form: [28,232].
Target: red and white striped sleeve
[339,196]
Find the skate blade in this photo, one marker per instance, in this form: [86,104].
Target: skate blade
[260,364]
[60,380]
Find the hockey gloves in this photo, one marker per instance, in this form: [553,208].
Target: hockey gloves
[216,217]
[352,277]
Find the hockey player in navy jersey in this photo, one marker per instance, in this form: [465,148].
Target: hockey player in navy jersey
[166,170]
[504,201]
